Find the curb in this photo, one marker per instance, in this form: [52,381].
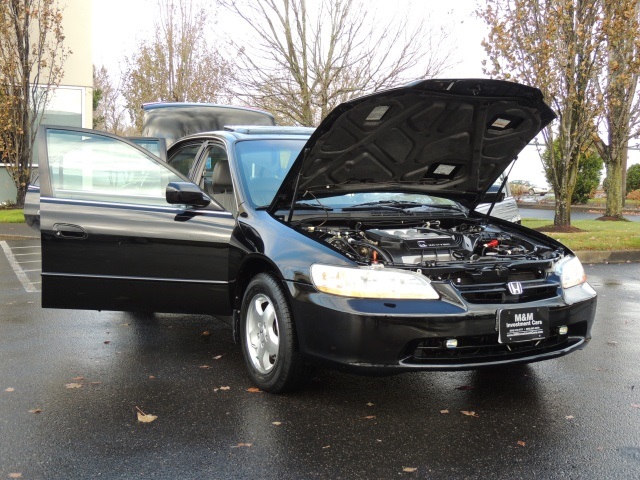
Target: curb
[603,256]
[18,237]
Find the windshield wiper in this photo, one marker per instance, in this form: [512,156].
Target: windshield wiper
[384,205]
[302,206]
[443,207]
[311,206]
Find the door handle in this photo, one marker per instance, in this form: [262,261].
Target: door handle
[66,230]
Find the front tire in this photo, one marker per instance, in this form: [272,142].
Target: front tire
[268,337]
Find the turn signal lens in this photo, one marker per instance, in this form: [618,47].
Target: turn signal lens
[571,272]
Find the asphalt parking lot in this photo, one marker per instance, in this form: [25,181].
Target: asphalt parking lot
[70,382]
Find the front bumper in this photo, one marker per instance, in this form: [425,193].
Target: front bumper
[391,336]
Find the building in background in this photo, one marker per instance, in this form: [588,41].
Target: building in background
[72,102]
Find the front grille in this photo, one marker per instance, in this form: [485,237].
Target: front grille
[478,347]
[532,290]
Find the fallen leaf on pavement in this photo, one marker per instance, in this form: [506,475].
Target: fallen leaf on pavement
[444,411]
[15,475]
[370,417]
[409,469]
[254,390]
[10,389]
[204,366]
[241,445]
[370,404]
[206,333]
[569,417]
[152,377]
[521,443]
[225,388]
[217,357]
[145,418]
[326,446]
[77,379]
[634,405]
[72,385]
[35,410]
[464,387]
[276,423]
[469,414]
[107,342]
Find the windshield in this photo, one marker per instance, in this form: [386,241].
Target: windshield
[263,164]
[379,199]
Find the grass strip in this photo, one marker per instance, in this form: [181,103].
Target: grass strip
[13,215]
[596,235]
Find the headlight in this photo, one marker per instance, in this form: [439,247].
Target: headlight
[570,271]
[368,282]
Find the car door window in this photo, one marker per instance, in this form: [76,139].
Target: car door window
[92,166]
[183,159]
[213,155]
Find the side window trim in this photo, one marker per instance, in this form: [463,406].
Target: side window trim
[175,152]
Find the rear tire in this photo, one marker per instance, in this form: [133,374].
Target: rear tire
[531,192]
[268,338]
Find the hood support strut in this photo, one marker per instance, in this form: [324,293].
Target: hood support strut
[504,182]
[295,188]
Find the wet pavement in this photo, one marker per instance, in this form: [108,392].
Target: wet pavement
[577,417]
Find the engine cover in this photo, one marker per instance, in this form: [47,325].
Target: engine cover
[416,245]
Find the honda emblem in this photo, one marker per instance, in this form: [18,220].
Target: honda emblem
[515,288]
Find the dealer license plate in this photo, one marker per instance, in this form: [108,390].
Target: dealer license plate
[523,324]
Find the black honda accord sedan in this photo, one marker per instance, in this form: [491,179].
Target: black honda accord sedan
[357,248]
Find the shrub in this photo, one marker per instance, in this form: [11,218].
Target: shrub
[588,175]
[634,196]
[633,177]
[518,191]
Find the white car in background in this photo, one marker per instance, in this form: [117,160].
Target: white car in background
[530,188]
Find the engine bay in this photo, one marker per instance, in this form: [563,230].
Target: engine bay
[445,242]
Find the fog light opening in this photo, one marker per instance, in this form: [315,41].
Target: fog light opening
[451,343]
[563,330]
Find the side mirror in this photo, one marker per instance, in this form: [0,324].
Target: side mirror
[186,193]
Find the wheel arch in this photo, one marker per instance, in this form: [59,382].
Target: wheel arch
[252,266]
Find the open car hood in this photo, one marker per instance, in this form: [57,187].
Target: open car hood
[447,138]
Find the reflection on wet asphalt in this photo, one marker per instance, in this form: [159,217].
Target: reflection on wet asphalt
[572,417]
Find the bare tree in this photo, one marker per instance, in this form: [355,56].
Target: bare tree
[109,112]
[621,116]
[32,55]
[178,64]
[304,58]
[554,45]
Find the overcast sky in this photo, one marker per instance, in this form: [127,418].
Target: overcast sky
[119,25]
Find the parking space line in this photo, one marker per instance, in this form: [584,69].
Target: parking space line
[26,283]
[31,270]
[25,254]
[32,246]
[31,261]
